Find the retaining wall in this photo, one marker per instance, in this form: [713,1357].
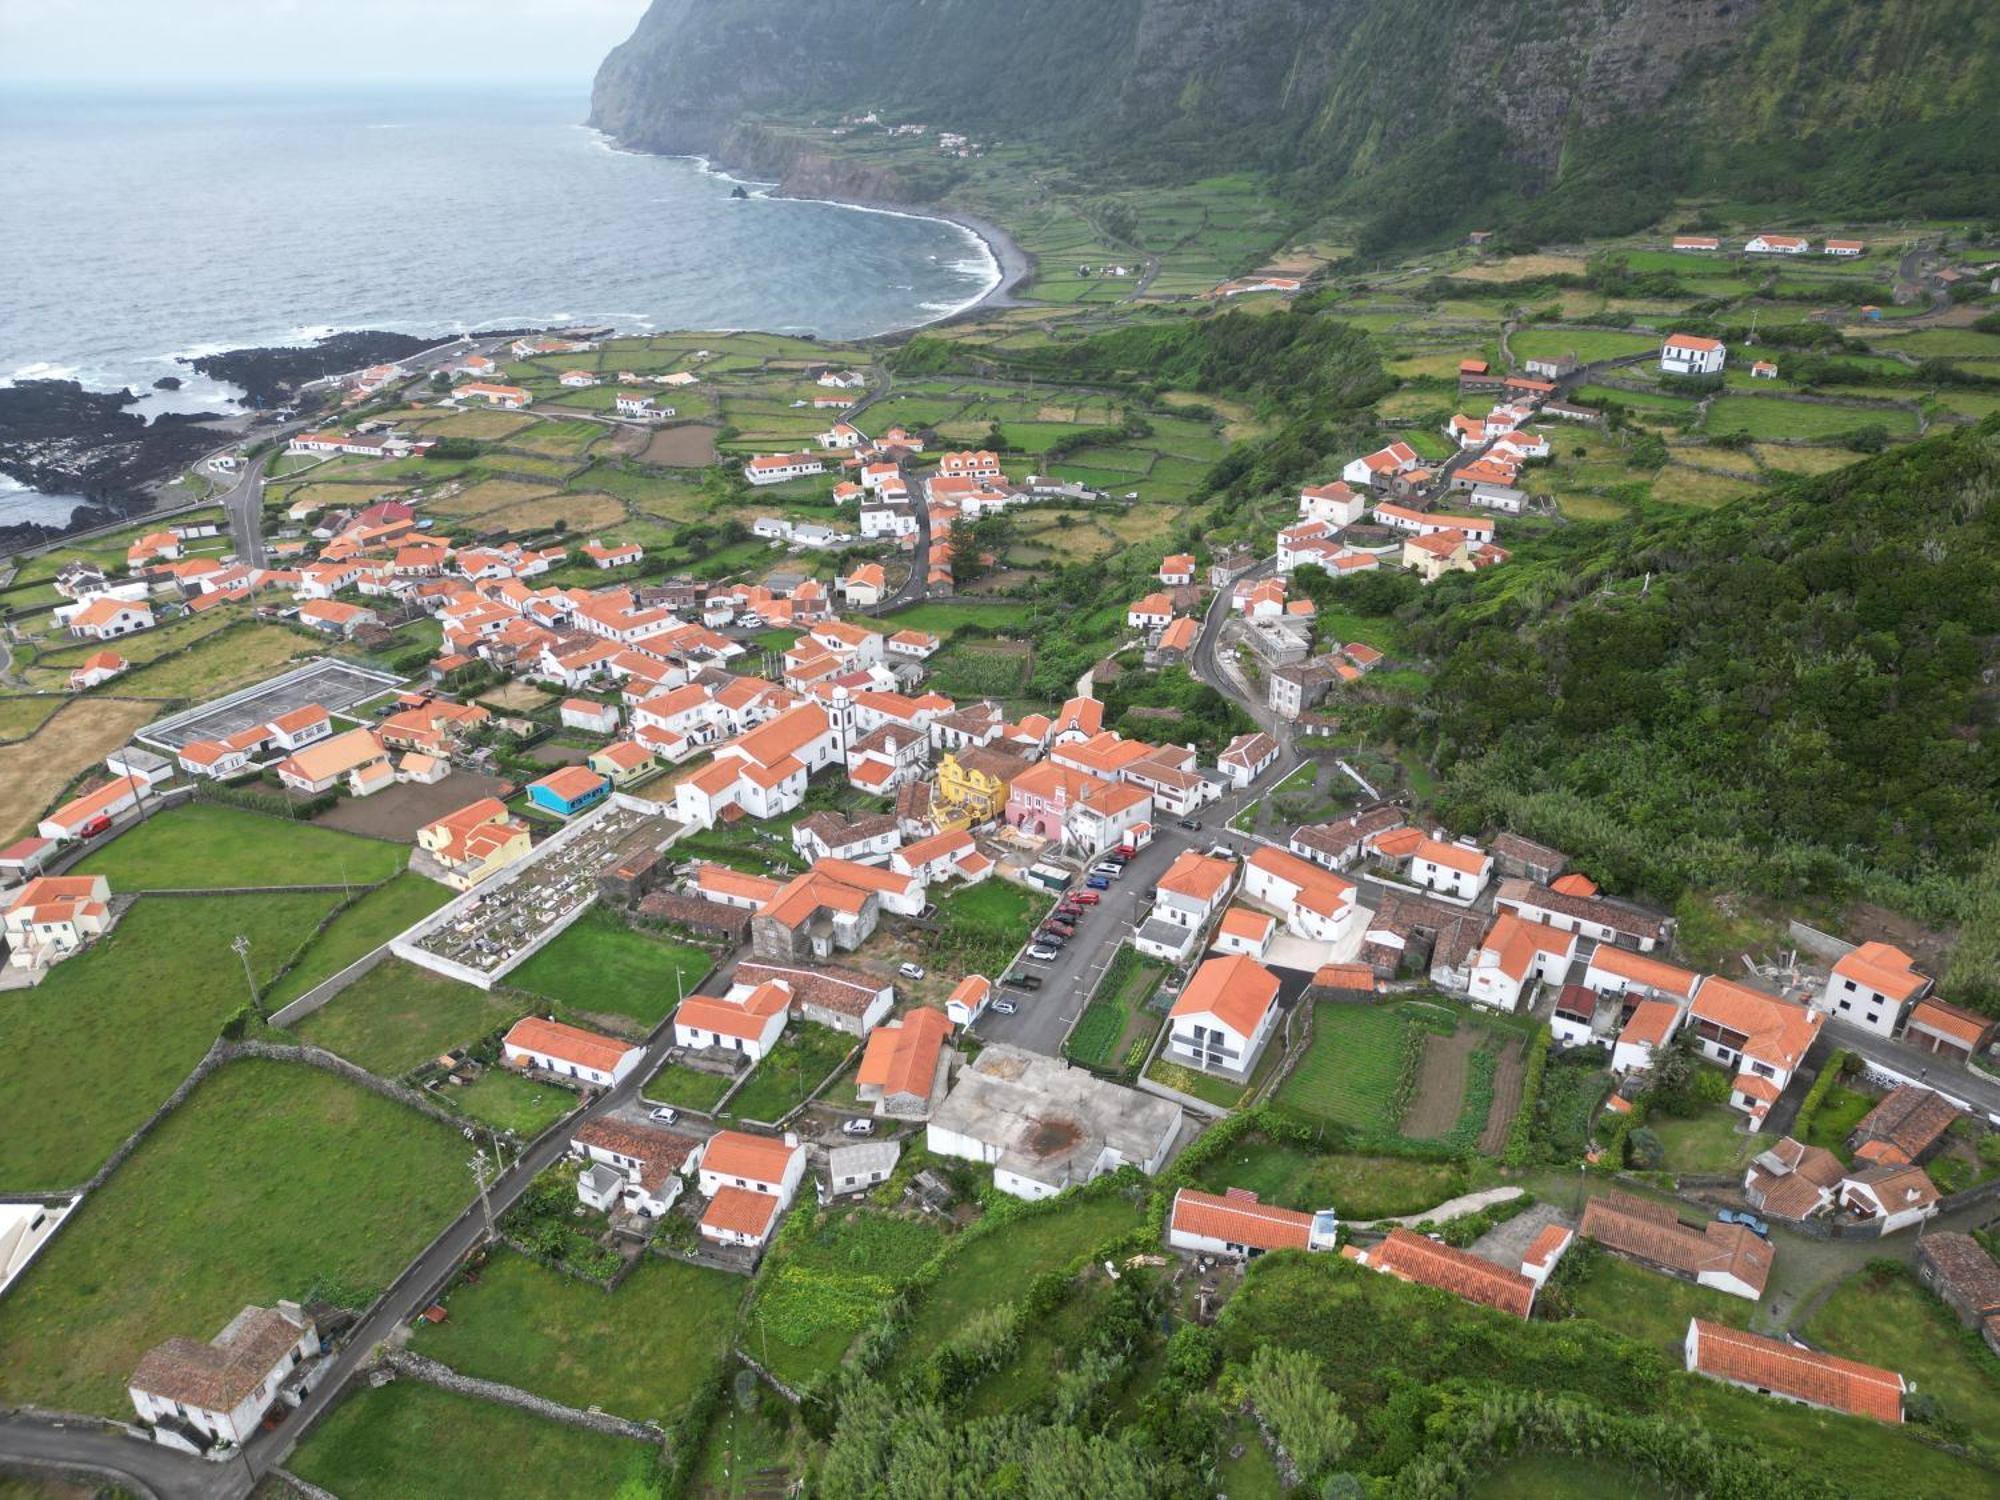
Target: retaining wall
[430,1372]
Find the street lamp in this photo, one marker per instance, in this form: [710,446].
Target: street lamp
[478,1164]
[241,946]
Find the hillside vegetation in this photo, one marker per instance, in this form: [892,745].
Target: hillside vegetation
[1545,121]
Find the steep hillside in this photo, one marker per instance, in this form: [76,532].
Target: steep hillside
[1418,114]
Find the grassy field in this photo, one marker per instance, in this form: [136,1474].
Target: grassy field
[819,1287]
[398,1015]
[1589,345]
[689,1088]
[997,1267]
[37,769]
[1126,986]
[1710,1142]
[1360,1187]
[271,1181]
[121,1024]
[1770,417]
[1892,1321]
[415,1442]
[641,1351]
[1650,1307]
[1839,1112]
[1561,1476]
[944,620]
[602,966]
[507,1101]
[203,845]
[363,927]
[1349,1074]
[803,1057]
[222,662]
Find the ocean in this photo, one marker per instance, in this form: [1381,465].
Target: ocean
[138,230]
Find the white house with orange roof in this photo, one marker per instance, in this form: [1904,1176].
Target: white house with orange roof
[749,1181]
[1224,1016]
[1312,903]
[104,618]
[615,555]
[1236,1226]
[969,1000]
[1619,971]
[52,916]
[1383,465]
[506,397]
[356,758]
[1514,955]
[98,667]
[640,406]
[1843,249]
[951,855]
[1242,930]
[589,715]
[864,586]
[1692,354]
[843,436]
[1177,571]
[71,819]
[1154,612]
[748,1020]
[1872,987]
[569,1051]
[1456,870]
[1776,244]
[1651,1025]
[777,468]
[1337,503]
[1762,1037]
[576,380]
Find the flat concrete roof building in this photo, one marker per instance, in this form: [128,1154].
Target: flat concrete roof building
[1044,1126]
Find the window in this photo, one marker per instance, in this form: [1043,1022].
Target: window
[1846,1005]
[1850,985]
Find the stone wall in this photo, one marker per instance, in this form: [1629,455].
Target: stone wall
[430,1372]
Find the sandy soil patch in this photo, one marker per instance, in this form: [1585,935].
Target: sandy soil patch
[690,447]
[516,697]
[1521,267]
[399,811]
[1440,1084]
[36,769]
[585,513]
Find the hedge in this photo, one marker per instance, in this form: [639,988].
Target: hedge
[1829,1075]
[1520,1149]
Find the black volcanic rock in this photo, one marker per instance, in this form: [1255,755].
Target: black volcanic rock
[167,383]
[271,377]
[59,438]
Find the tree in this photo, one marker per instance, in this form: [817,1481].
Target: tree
[1289,1391]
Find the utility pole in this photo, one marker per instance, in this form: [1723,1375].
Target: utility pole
[478,1164]
[241,945]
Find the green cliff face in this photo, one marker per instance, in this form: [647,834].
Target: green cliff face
[1418,115]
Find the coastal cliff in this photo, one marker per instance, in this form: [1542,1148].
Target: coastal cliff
[1347,101]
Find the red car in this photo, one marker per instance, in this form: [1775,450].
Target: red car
[94,827]
[1061,929]
[1087,898]
[1125,851]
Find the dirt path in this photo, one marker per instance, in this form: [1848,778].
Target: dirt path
[1440,1084]
[1507,1075]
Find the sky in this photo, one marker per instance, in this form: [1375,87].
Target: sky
[168,43]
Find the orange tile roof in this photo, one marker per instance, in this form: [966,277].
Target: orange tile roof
[334,757]
[570,1043]
[735,1210]
[1415,1258]
[1237,990]
[784,736]
[570,782]
[724,881]
[1652,1021]
[755,1158]
[902,1057]
[1785,1369]
[1345,977]
[1198,876]
[1692,342]
[745,1018]
[1453,856]
[1884,968]
[1637,968]
[1253,926]
[1397,843]
[1547,1245]
[1237,1218]
[1776,1031]
[1516,941]
[1964,1026]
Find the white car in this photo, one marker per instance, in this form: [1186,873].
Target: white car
[857,1127]
[911,971]
[1043,955]
[1005,1007]
[663,1115]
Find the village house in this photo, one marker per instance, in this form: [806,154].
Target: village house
[104,618]
[1895,1197]
[589,715]
[1772,1367]
[1696,242]
[356,759]
[1154,612]
[616,555]
[1043,1125]
[1516,954]
[1408,1256]
[1457,870]
[1949,1030]
[569,1051]
[1377,469]
[1650,1026]
[1792,1180]
[1588,916]
[1761,1036]
[568,790]
[969,999]
[1335,504]
[1952,1264]
[506,397]
[1312,903]
[634,1166]
[906,1065]
[1727,1257]
[748,1020]
[576,380]
[776,468]
[1776,244]
[1340,845]
[1763,369]
[105,802]
[1872,986]
[1223,1017]
[333,617]
[1843,249]
[637,406]
[1177,571]
[96,669]
[1235,1226]
[845,999]
[52,916]
[857,1168]
[474,843]
[201,1397]
[1907,1125]
[1691,354]
[1192,890]
[749,1181]
[1301,686]
[621,761]
[1246,757]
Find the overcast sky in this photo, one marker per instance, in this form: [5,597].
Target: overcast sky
[167,43]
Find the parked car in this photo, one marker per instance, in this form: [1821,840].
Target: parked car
[1125,851]
[1098,883]
[663,1115]
[1062,929]
[94,827]
[1024,981]
[1086,898]
[1108,871]
[1744,1217]
[857,1127]
[1192,825]
[911,971]
[1005,1007]
[1041,953]
[1050,939]
[1221,851]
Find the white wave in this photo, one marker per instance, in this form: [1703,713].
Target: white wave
[41,370]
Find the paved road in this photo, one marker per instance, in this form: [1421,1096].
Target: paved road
[1939,1073]
[244,505]
[39,1446]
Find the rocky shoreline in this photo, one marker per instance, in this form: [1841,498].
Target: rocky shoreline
[275,376]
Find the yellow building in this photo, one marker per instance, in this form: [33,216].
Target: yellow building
[477,841]
[971,789]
